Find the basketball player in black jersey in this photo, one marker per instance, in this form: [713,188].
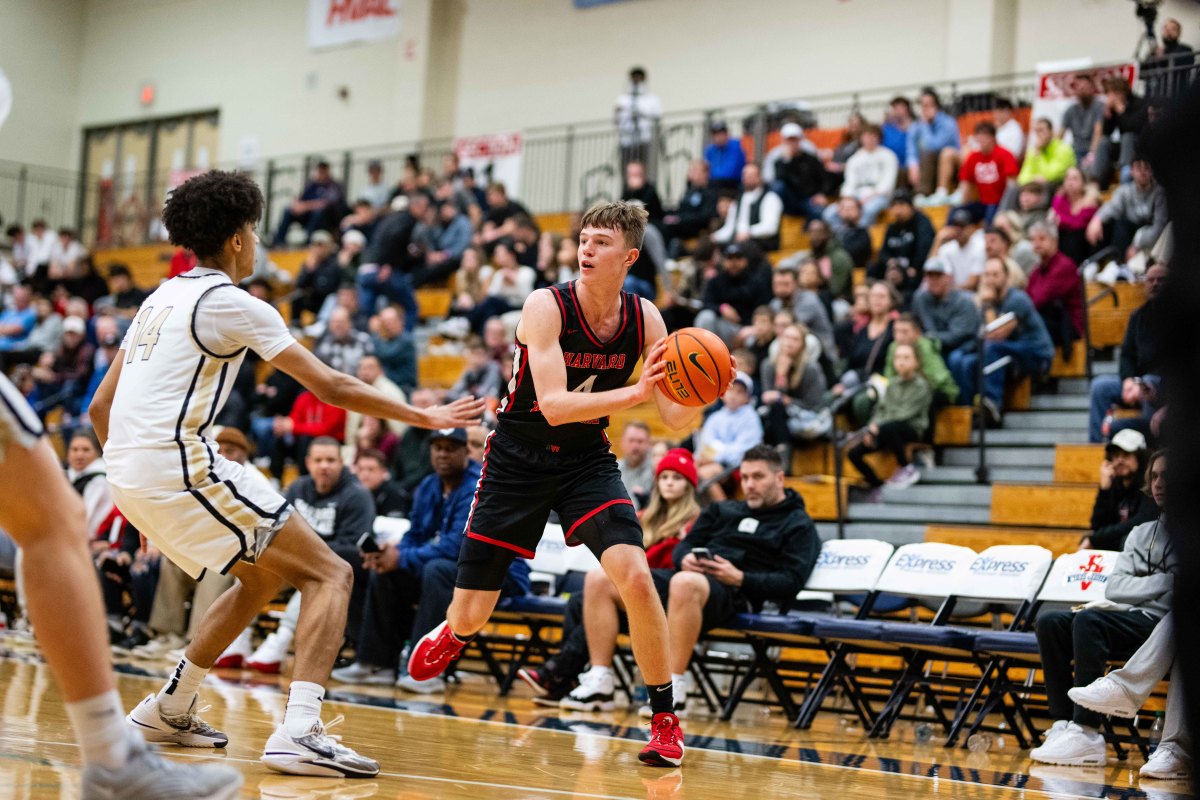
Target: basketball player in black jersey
[577,345]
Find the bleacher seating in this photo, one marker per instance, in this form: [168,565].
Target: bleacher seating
[1050,505]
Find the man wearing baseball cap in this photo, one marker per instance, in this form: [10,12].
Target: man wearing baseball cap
[799,176]
[725,159]
[728,433]
[961,243]
[948,315]
[1121,502]
[906,242]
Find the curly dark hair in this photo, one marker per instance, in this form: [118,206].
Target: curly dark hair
[202,213]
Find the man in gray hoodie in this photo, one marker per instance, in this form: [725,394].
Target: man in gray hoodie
[1137,595]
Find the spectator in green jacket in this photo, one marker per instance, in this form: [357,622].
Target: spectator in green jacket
[1048,160]
[907,330]
[900,418]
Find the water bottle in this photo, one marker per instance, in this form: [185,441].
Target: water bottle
[1156,731]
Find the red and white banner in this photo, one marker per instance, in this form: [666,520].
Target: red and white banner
[1054,90]
[495,158]
[338,22]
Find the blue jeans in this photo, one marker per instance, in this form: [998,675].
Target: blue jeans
[1106,393]
[397,289]
[872,207]
[262,433]
[793,204]
[640,287]
[965,366]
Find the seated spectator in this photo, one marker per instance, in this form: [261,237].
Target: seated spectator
[906,330]
[805,305]
[123,298]
[342,347]
[731,296]
[1127,115]
[835,263]
[377,192]
[310,419]
[725,159]
[1049,158]
[1009,133]
[793,396]
[499,340]
[318,278]
[371,469]
[907,242]
[762,551]
[320,206]
[835,161]
[986,172]
[728,433]
[1139,368]
[637,470]
[853,320]
[933,151]
[846,222]
[393,345]
[1073,206]
[18,320]
[372,434]
[370,372]
[1122,502]
[420,570]
[62,376]
[960,245]
[1056,289]
[46,336]
[1123,691]
[470,283]
[899,418]
[499,222]
[811,280]
[997,244]
[799,177]
[697,209]
[895,133]
[865,351]
[511,284]
[870,177]
[1076,647]
[636,187]
[1024,339]
[525,240]
[650,268]
[1033,208]
[481,378]
[1084,119]
[754,216]
[1135,215]
[66,257]
[18,247]
[87,284]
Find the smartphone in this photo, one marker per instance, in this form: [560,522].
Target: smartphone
[702,553]
[367,543]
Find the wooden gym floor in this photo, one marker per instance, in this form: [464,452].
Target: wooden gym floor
[472,744]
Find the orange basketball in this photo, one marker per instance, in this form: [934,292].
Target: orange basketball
[699,367]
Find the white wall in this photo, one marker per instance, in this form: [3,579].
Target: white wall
[250,59]
[40,52]
[1104,30]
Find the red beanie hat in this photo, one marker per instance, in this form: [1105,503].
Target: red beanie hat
[681,461]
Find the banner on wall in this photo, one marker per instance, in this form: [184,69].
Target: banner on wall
[1054,90]
[495,158]
[339,22]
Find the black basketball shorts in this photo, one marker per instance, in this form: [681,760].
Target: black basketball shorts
[518,488]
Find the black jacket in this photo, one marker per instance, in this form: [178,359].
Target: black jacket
[1140,348]
[340,516]
[745,291]
[696,211]
[391,500]
[648,195]
[390,240]
[909,243]
[803,174]
[1118,510]
[857,242]
[777,551]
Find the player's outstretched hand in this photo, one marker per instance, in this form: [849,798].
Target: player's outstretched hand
[654,369]
[462,413]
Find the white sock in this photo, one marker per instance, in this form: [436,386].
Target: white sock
[677,679]
[176,697]
[600,671]
[303,707]
[100,728]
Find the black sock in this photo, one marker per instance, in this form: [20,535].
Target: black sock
[662,698]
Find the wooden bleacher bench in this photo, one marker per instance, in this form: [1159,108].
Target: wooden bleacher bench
[1129,295]
[290,261]
[792,235]
[1075,368]
[647,413]
[1077,463]
[555,223]
[148,264]
[953,426]
[979,538]
[1018,394]
[440,371]
[433,303]
[1043,504]
[820,499]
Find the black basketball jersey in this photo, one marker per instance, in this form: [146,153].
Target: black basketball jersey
[592,366]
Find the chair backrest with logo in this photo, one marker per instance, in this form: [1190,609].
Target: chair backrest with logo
[849,565]
[1006,573]
[926,569]
[1078,578]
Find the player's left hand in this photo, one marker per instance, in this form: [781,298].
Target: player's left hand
[462,413]
[724,571]
[654,369]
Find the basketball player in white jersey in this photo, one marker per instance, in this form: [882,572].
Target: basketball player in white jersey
[41,511]
[152,412]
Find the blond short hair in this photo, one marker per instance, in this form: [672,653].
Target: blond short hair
[618,215]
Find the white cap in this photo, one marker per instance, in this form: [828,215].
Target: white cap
[791,130]
[354,237]
[74,325]
[1129,440]
[745,380]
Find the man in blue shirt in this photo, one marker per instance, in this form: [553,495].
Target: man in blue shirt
[17,323]
[725,159]
[421,569]
[934,150]
[896,126]
[728,433]
[320,206]
[1025,339]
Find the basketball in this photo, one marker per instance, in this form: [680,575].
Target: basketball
[699,367]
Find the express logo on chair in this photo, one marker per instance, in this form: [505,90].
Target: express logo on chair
[830,560]
[993,566]
[915,563]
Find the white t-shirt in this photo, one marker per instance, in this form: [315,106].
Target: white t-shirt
[180,357]
[965,261]
[1011,137]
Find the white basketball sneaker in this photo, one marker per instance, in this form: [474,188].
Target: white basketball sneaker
[147,776]
[316,753]
[594,693]
[185,730]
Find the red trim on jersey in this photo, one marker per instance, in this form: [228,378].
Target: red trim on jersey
[597,510]
[562,310]
[587,329]
[487,448]
[639,313]
[506,545]
[508,398]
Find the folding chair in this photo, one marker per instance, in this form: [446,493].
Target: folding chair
[845,567]
[1005,574]
[924,570]
[1075,579]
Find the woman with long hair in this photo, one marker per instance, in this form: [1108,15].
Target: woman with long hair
[793,393]
[1072,208]
[672,507]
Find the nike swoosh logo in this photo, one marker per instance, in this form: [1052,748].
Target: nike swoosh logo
[695,359]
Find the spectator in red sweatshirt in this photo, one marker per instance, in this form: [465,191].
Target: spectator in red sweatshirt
[987,171]
[1054,287]
[309,419]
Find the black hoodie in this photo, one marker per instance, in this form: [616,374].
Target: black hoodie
[342,515]
[775,546]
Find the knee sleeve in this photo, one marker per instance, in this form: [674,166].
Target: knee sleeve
[613,525]
[482,565]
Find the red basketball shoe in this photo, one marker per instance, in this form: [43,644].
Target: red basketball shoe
[666,742]
[434,652]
